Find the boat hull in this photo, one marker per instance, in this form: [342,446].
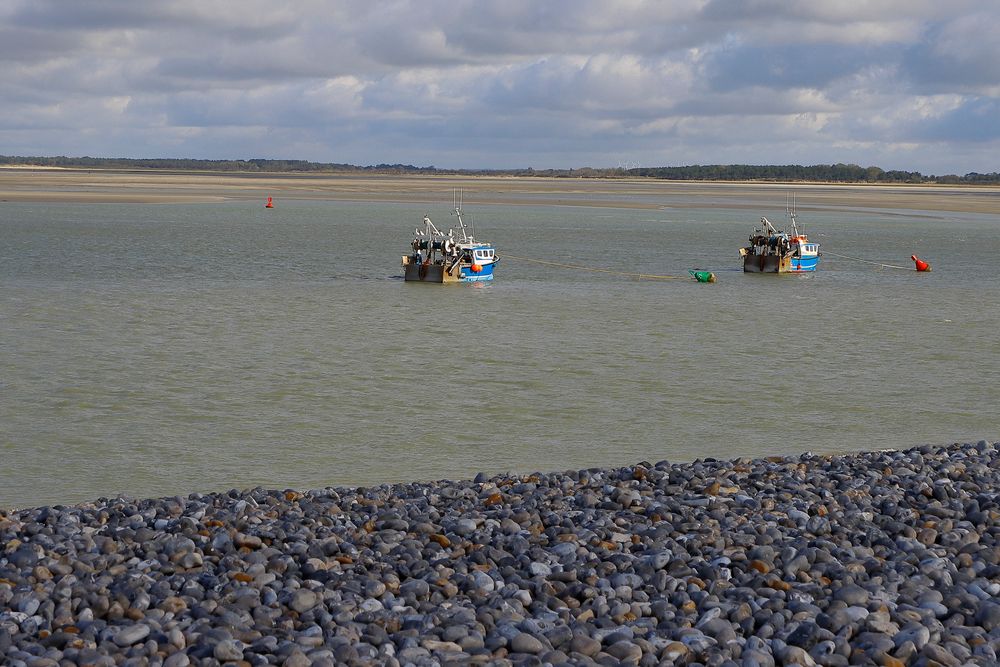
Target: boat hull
[776,264]
[437,273]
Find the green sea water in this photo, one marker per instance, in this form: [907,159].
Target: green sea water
[159,350]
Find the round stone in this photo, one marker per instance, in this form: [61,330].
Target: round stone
[131,634]
[525,643]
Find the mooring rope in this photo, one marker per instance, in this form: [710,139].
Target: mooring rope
[639,276]
[858,259]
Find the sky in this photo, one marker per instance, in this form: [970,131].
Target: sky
[912,85]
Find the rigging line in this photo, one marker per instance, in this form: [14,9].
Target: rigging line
[858,259]
[640,276]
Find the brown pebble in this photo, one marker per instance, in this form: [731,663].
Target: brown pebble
[244,541]
[777,584]
[675,650]
[927,536]
[173,604]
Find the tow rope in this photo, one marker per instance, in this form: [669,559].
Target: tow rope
[858,259]
[579,267]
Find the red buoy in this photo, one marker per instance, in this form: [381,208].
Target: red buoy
[921,265]
[269,204]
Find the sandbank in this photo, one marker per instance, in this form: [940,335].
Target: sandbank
[29,184]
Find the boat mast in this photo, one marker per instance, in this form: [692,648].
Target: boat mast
[466,237]
[790,211]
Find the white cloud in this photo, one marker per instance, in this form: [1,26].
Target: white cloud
[506,83]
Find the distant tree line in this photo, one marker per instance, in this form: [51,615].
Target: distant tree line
[184,164]
[830,173]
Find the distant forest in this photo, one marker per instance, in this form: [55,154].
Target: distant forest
[828,173]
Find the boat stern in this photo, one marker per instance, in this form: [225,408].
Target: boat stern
[766,264]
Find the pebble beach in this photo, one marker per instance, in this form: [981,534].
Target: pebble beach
[881,558]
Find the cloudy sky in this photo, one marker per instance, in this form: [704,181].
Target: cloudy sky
[899,84]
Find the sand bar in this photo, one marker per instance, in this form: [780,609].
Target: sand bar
[123,186]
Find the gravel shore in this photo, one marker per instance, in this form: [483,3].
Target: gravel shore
[882,558]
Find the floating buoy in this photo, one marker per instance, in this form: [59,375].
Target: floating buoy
[703,276]
[269,204]
[476,268]
[921,265]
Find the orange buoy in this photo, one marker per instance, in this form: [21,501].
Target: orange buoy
[476,268]
[269,204]
[921,265]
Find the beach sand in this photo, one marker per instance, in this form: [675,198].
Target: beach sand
[28,184]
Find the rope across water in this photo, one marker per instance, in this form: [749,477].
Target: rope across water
[858,259]
[650,276]
[579,267]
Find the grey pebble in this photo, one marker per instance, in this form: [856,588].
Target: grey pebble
[228,650]
[525,643]
[131,634]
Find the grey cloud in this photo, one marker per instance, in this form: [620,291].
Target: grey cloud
[789,66]
[495,83]
[975,121]
[962,54]
[20,46]
[90,15]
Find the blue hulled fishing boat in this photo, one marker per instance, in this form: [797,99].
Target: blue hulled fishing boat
[437,257]
[774,251]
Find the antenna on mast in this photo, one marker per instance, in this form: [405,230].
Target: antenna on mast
[458,213]
[790,210]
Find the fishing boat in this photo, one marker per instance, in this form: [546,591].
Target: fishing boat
[774,251]
[437,257]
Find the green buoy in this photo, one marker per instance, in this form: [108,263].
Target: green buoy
[703,276]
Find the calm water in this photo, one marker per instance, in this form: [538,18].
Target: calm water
[159,350]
